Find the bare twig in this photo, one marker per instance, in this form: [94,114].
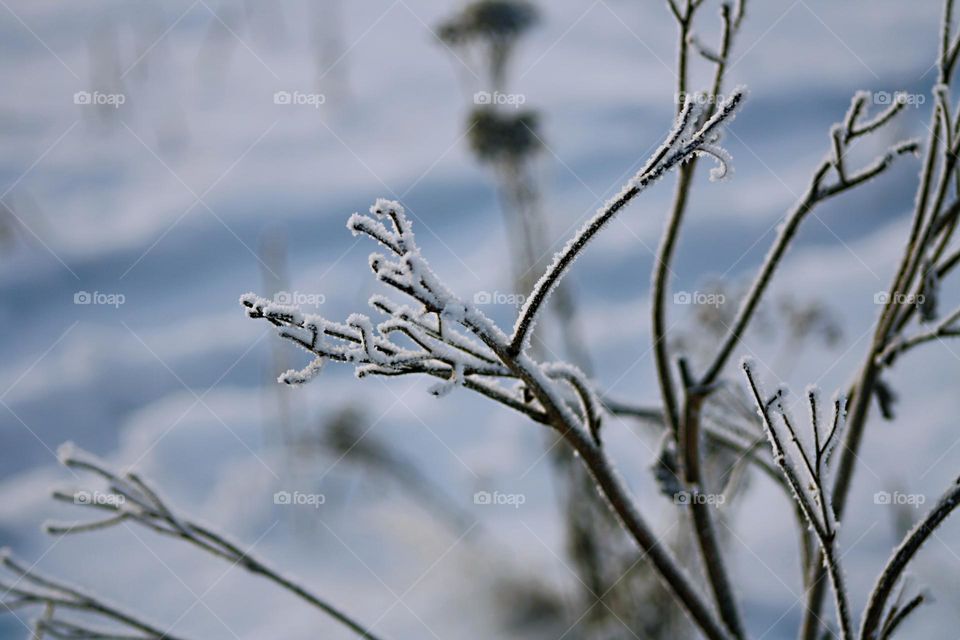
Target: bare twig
[927,212]
[32,588]
[372,352]
[946,328]
[685,141]
[668,241]
[700,509]
[897,616]
[131,499]
[816,507]
[815,194]
[904,553]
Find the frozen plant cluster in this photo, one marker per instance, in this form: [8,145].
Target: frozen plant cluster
[426,329]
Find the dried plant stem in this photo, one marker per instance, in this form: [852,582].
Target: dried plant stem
[148,509]
[814,195]
[917,255]
[552,389]
[658,330]
[863,389]
[32,588]
[897,617]
[676,581]
[904,553]
[686,428]
[674,152]
[944,329]
[684,21]
[619,498]
[822,523]
[668,241]
[702,518]
[717,437]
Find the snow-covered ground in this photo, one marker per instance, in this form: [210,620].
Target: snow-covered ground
[158,208]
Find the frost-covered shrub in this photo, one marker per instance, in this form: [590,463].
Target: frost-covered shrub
[423,328]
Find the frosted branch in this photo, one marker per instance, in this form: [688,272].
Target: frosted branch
[946,328]
[902,556]
[130,499]
[31,588]
[704,50]
[668,241]
[704,530]
[816,193]
[936,178]
[808,481]
[589,404]
[454,341]
[852,126]
[898,614]
[684,142]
